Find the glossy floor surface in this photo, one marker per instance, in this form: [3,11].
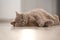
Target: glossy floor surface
[7,32]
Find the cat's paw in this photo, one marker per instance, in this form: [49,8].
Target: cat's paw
[49,23]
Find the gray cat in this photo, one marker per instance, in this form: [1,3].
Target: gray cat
[36,17]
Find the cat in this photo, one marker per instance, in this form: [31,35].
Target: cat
[36,17]
[24,20]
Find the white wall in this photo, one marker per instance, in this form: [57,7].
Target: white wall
[45,4]
[54,6]
[8,8]
[27,5]
[49,5]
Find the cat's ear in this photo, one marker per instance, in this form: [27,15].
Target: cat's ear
[17,14]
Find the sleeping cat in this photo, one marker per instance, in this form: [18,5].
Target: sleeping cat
[24,20]
[36,17]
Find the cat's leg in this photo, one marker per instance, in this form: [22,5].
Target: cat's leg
[56,19]
[25,20]
[31,21]
[48,23]
[40,23]
[47,14]
[39,20]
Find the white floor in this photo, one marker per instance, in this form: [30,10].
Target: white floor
[28,33]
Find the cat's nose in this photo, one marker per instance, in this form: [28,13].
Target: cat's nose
[13,23]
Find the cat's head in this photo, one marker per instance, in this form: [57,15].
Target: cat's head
[20,20]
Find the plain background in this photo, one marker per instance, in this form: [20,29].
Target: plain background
[9,7]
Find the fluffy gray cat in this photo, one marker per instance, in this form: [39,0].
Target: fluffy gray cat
[36,17]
